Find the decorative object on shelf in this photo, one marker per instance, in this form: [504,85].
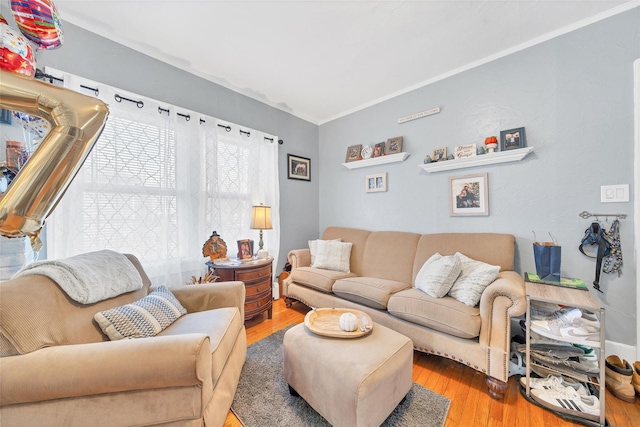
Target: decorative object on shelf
[394,145]
[299,167]
[366,152]
[469,195]
[512,139]
[378,149]
[439,154]
[468,150]
[480,151]
[245,250]
[450,157]
[376,183]
[215,247]
[470,162]
[427,159]
[353,153]
[491,143]
[261,220]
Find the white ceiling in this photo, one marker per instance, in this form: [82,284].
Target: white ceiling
[320,60]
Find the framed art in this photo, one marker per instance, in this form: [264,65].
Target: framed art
[299,167]
[394,145]
[439,154]
[512,139]
[463,151]
[5,117]
[376,183]
[245,251]
[378,149]
[353,153]
[469,195]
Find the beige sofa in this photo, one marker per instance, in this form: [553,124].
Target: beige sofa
[383,268]
[59,369]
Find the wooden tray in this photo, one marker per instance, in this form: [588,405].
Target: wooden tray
[326,322]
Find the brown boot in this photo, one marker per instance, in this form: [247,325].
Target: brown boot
[618,378]
[636,377]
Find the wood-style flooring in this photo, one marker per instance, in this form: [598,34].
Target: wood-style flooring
[470,403]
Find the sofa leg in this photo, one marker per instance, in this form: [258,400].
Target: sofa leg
[496,387]
[288,302]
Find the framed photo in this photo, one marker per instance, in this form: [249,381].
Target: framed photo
[469,195]
[376,182]
[245,251]
[299,167]
[463,151]
[394,145]
[353,153]
[5,117]
[378,149]
[512,139]
[439,154]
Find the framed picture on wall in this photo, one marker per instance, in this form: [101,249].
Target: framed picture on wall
[512,139]
[394,145]
[5,117]
[469,195]
[353,153]
[376,183]
[439,154]
[299,167]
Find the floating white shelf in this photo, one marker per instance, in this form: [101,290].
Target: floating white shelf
[482,160]
[391,158]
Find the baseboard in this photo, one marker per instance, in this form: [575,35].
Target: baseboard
[624,351]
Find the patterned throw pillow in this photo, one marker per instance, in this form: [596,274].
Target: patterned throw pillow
[313,248]
[437,275]
[143,318]
[332,255]
[475,277]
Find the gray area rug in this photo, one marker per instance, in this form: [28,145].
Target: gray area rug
[263,398]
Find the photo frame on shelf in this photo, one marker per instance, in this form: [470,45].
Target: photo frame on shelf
[299,167]
[353,153]
[378,149]
[439,154]
[394,145]
[469,195]
[376,183]
[245,249]
[512,139]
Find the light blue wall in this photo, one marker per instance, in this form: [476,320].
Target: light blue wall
[574,96]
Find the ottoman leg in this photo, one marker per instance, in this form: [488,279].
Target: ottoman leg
[293,392]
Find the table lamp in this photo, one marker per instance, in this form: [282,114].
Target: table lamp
[261,220]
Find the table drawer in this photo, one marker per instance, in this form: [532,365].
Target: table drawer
[258,273]
[257,288]
[255,307]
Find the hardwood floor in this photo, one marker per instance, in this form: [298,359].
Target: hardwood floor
[470,403]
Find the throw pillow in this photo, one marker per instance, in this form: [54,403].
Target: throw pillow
[437,275]
[313,248]
[474,278]
[332,255]
[143,318]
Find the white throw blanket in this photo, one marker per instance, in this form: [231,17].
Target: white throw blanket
[90,277]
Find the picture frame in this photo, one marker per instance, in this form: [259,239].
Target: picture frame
[376,183]
[378,149]
[463,151]
[353,153]
[245,250]
[512,139]
[5,117]
[298,167]
[394,145]
[439,154]
[469,195]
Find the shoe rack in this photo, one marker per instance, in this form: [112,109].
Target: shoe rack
[579,299]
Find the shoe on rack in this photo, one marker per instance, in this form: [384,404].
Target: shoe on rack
[618,377]
[569,328]
[555,382]
[584,367]
[543,370]
[635,380]
[567,401]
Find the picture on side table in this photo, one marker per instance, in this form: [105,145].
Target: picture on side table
[299,167]
[512,139]
[469,195]
[353,153]
[376,182]
[245,251]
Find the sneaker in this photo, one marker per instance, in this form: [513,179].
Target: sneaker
[568,328]
[544,371]
[585,367]
[568,401]
[555,382]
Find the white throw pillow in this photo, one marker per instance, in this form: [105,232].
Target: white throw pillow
[332,255]
[475,277]
[313,248]
[437,275]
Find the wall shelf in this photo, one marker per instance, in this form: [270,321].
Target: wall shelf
[391,158]
[482,160]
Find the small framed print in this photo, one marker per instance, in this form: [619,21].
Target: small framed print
[353,153]
[512,139]
[394,145]
[299,167]
[469,195]
[439,154]
[245,250]
[376,183]
[463,151]
[378,149]
[5,117]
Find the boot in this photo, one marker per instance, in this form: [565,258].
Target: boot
[618,378]
[636,377]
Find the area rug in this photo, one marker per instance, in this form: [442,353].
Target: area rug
[263,398]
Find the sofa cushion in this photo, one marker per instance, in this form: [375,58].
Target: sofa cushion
[313,248]
[475,277]
[143,318]
[369,291]
[317,278]
[222,325]
[390,255]
[442,314]
[333,255]
[437,275]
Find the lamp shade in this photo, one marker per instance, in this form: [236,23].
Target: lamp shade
[261,217]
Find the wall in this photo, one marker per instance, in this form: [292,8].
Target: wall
[574,96]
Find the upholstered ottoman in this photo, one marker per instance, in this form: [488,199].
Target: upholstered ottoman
[350,382]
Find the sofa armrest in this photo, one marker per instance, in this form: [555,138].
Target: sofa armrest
[209,296]
[299,258]
[107,367]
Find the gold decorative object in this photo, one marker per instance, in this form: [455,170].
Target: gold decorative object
[210,277]
[215,247]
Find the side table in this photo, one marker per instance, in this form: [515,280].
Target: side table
[257,276]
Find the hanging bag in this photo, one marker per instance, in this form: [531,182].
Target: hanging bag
[596,236]
[547,256]
[612,263]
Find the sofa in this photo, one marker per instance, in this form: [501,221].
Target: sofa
[382,270]
[58,368]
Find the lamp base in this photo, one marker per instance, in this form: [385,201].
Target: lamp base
[262,254]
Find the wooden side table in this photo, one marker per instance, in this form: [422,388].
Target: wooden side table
[257,276]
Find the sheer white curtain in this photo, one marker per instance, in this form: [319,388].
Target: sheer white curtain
[159,181]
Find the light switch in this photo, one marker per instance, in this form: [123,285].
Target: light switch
[614,193]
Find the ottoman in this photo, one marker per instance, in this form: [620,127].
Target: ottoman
[350,382]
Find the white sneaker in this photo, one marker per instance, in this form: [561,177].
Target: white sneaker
[568,401]
[554,382]
[569,327]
